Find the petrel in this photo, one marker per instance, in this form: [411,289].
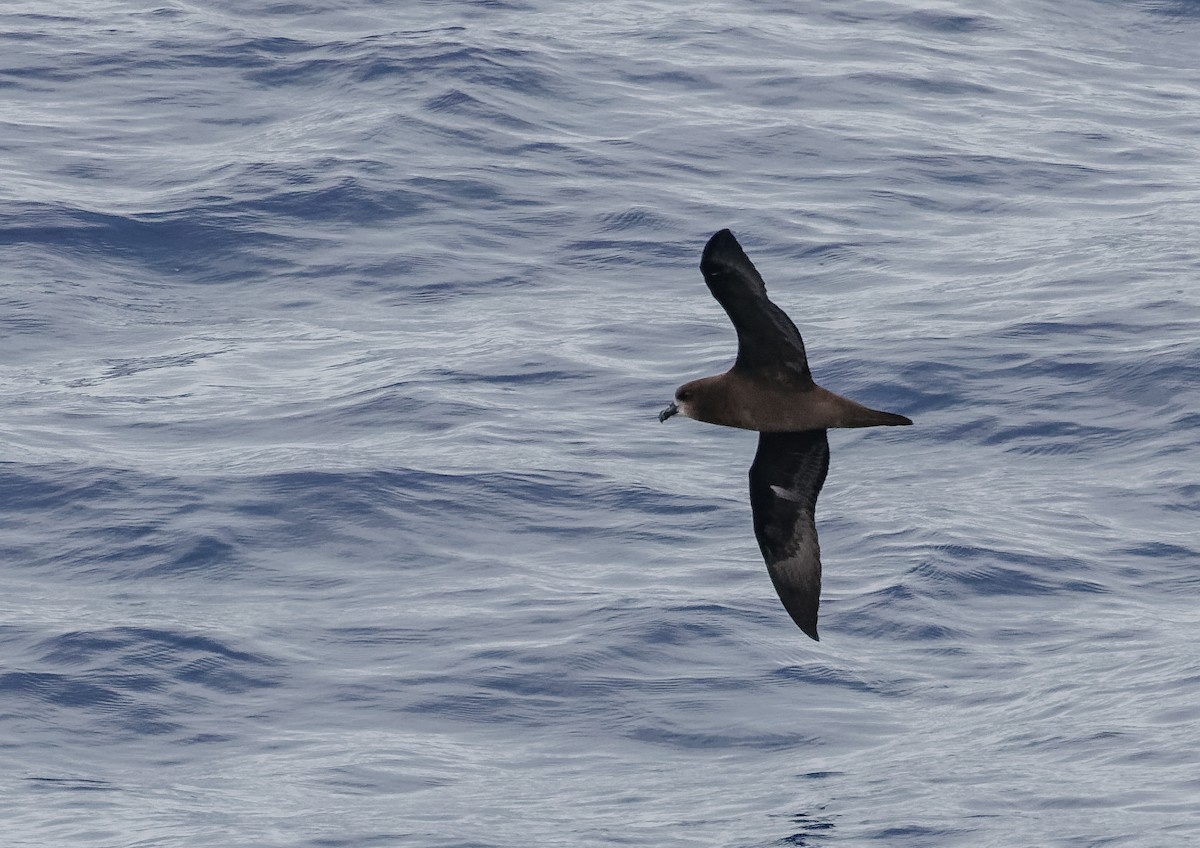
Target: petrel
[770,389]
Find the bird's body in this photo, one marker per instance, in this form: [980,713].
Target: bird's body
[770,389]
[750,402]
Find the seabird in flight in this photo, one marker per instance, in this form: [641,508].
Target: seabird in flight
[770,389]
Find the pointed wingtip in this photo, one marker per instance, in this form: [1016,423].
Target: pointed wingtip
[804,616]
[721,240]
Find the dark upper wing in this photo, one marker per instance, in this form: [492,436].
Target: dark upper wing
[767,338]
[785,479]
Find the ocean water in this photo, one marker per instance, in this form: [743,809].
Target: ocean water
[333,506]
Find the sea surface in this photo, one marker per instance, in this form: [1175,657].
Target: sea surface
[334,510]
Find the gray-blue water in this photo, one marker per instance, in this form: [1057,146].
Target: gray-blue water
[334,507]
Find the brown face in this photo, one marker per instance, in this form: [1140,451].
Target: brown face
[715,400]
[690,398]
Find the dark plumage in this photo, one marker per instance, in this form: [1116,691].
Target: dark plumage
[785,479]
[770,389]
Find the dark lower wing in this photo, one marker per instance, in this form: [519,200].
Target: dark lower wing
[785,479]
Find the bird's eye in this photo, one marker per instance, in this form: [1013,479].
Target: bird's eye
[683,394]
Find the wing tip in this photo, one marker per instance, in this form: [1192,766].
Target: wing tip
[803,611]
[721,241]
